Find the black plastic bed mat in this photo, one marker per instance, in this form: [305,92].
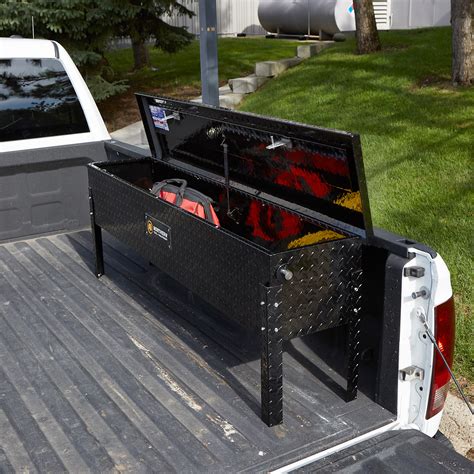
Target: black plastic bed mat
[407,451]
[114,374]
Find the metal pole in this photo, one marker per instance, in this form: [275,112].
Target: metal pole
[309,20]
[208,48]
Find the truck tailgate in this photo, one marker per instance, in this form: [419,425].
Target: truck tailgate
[407,451]
[118,374]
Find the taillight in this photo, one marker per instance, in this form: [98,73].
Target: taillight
[444,334]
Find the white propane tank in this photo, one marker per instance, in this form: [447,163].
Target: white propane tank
[291,17]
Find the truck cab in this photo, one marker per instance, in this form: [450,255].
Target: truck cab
[50,128]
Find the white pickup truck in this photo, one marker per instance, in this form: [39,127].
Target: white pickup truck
[118,374]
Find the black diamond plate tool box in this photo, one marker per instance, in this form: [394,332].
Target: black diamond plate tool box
[292,204]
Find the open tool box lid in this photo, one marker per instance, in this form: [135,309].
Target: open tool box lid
[311,171]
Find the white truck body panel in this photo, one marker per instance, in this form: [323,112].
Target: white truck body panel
[11,48]
[416,349]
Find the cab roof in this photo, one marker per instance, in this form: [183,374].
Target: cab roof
[28,48]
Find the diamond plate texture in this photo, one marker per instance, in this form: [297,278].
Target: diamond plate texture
[220,268]
[227,271]
[290,172]
[320,294]
[236,277]
[271,358]
[353,339]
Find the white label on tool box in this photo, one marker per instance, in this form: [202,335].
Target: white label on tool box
[155,228]
[159,117]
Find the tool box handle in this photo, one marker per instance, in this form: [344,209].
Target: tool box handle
[179,195]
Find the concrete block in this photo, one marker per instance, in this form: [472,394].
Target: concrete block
[291,62]
[246,85]
[308,50]
[230,101]
[274,68]
[225,90]
[269,68]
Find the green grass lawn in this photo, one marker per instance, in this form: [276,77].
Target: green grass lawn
[237,57]
[178,75]
[418,142]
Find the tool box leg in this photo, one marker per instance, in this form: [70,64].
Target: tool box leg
[272,367]
[99,252]
[353,352]
[97,240]
[353,361]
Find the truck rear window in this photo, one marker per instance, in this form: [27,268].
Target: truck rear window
[37,100]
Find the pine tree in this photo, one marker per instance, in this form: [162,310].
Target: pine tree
[85,27]
[141,20]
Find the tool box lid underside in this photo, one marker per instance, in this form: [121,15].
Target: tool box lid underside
[312,171]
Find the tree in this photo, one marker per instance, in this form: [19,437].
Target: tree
[142,20]
[367,36]
[85,27]
[461,21]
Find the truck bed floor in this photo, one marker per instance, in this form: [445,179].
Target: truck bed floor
[126,373]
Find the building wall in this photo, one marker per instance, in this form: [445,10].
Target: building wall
[233,17]
[240,16]
[408,14]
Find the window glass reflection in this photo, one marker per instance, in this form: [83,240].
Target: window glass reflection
[37,100]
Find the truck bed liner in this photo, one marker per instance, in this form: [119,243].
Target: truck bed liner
[118,373]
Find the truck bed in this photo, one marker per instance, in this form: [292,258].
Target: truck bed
[131,373]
